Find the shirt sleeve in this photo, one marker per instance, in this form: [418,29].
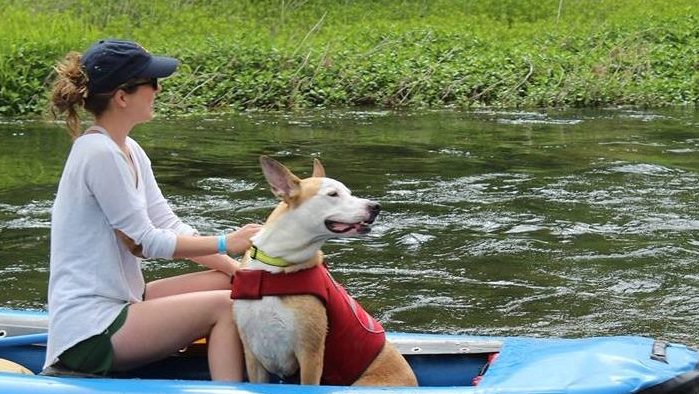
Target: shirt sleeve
[159,210]
[110,180]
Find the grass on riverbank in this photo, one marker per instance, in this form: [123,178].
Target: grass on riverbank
[287,54]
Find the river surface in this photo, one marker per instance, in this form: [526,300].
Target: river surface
[560,223]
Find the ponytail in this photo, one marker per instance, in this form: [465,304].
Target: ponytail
[69,91]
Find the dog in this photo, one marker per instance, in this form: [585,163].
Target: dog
[302,334]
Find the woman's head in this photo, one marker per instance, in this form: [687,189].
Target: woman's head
[91,80]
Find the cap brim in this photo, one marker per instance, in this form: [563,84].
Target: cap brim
[160,67]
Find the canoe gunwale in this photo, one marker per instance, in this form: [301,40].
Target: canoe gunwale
[35,323]
[409,347]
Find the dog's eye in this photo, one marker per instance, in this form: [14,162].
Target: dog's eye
[333,194]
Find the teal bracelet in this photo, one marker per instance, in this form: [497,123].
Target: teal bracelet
[222,244]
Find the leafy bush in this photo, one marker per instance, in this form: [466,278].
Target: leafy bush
[429,53]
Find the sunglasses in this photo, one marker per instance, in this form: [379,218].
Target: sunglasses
[153,82]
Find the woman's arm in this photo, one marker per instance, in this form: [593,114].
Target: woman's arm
[218,262]
[236,242]
[204,250]
[108,177]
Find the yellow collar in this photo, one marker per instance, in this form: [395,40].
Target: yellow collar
[263,257]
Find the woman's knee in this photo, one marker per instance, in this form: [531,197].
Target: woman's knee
[222,305]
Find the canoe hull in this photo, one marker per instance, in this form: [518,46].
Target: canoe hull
[442,363]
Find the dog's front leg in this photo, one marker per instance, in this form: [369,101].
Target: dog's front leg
[256,372]
[312,328]
[311,364]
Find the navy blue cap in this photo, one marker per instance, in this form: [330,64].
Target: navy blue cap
[110,63]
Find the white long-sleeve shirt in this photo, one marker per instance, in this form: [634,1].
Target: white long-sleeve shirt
[92,274]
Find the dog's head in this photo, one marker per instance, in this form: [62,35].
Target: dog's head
[317,207]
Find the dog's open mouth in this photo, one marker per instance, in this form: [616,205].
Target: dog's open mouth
[341,228]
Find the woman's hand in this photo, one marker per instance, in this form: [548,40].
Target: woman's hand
[189,246]
[239,240]
[226,264]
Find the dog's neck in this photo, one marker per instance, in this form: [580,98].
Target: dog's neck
[285,247]
[255,259]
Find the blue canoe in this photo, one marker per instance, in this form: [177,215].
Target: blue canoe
[442,363]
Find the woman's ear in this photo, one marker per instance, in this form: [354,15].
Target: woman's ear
[120,98]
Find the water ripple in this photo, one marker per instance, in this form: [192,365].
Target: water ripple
[226,185]
[655,252]
[495,247]
[35,214]
[420,302]
[526,118]
[422,274]
[643,169]
[522,121]
[214,213]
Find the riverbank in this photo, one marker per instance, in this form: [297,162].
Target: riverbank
[297,54]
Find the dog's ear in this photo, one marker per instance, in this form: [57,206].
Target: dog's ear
[284,183]
[318,169]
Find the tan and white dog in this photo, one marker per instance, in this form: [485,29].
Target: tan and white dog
[286,334]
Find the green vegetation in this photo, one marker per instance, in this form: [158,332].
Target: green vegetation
[287,54]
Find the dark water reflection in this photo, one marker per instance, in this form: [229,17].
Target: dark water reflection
[508,223]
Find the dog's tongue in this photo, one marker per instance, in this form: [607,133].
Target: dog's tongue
[339,227]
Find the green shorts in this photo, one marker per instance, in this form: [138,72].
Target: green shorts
[95,354]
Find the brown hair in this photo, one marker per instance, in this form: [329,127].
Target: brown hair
[70,93]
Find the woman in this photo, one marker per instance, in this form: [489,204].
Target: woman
[102,316]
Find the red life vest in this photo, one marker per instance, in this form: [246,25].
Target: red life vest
[354,337]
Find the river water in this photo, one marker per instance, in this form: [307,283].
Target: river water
[559,223]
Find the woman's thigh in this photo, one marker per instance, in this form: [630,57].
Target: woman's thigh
[188,283]
[156,328]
